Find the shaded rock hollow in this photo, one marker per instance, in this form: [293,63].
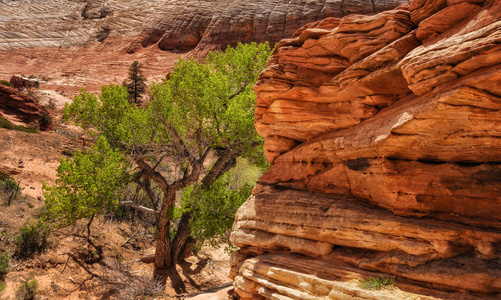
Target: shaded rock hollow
[384,134]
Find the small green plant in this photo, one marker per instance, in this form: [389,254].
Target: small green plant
[4,264]
[2,286]
[376,283]
[32,239]
[28,289]
[5,82]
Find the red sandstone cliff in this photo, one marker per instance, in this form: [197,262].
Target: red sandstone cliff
[384,134]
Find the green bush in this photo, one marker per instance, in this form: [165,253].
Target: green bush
[2,286]
[32,239]
[4,264]
[5,82]
[28,289]
[9,189]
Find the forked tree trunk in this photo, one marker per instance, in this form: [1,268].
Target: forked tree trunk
[183,243]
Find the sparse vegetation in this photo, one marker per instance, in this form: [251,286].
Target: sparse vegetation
[2,286]
[127,285]
[50,105]
[376,283]
[28,289]
[8,125]
[4,264]
[9,189]
[32,239]
[5,82]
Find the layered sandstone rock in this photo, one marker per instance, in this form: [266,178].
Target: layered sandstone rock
[19,107]
[384,134]
[172,25]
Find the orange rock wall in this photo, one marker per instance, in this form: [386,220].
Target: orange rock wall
[384,134]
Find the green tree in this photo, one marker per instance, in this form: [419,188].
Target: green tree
[190,134]
[79,191]
[135,83]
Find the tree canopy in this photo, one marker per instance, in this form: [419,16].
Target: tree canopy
[190,134]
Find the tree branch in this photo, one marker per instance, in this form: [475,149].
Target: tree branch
[139,207]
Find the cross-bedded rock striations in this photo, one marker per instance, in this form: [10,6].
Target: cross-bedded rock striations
[384,134]
[171,24]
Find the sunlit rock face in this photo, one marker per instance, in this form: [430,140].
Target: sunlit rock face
[384,134]
[169,24]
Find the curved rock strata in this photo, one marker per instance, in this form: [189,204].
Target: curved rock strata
[171,25]
[384,134]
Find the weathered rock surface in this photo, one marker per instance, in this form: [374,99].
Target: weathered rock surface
[172,25]
[19,107]
[384,134]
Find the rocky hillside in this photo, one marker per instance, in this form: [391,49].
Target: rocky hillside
[170,24]
[384,134]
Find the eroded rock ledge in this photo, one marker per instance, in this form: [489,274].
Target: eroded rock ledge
[384,134]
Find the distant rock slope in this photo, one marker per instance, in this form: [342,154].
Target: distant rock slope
[384,134]
[171,24]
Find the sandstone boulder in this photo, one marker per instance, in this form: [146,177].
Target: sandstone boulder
[19,107]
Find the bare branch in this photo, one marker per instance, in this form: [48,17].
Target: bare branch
[139,207]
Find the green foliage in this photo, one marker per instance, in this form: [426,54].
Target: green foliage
[214,209]
[32,239]
[9,188]
[29,289]
[135,83]
[2,286]
[4,263]
[8,125]
[376,283]
[5,82]
[213,102]
[202,108]
[88,183]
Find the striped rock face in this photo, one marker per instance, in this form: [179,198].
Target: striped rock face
[384,134]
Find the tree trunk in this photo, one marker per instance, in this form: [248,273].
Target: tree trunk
[183,243]
[88,226]
[182,233]
[163,259]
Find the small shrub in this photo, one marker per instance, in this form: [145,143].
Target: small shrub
[4,82]
[28,289]
[376,283]
[2,286]
[32,239]
[45,120]
[4,264]
[50,105]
